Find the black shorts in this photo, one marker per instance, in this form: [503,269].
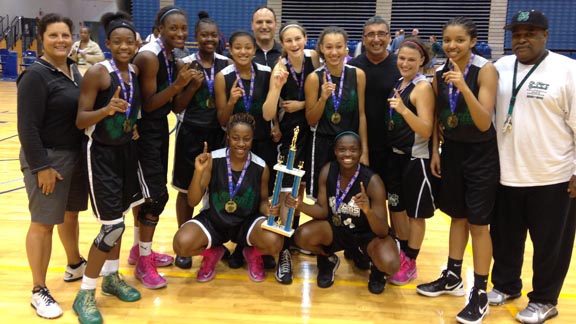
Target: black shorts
[378,163]
[112,179]
[299,156]
[322,152]
[344,238]
[218,234]
[189,144]
[470,176]
[409,186]
[153,147]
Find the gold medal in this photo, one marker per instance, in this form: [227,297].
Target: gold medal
[452,121]
[210,103]
[391,125]
[230,206]
[336,220]
[127,126]
[335,118]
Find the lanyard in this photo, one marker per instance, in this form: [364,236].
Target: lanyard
[168,67]
[129,97]
[516,89]
[453,96]
[300,83]
[340,198]
[336,99]
[231,189]
[401,91]
[246,96]
[209,79]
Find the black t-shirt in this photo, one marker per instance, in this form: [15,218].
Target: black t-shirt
[269,58]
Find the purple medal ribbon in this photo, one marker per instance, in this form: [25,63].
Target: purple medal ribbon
[400,91]
[336,99]
[246,96]
[300,83]
[231,189]
[168,67]
[340,198]
[453,96]
[128,97]
[209,79]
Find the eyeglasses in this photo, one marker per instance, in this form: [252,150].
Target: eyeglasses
[373,35]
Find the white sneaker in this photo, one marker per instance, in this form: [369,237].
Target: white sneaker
[537,313]
[45,304]
[75,274]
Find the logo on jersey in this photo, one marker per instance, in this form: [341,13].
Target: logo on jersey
[537,90]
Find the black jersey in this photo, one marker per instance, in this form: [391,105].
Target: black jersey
[110,130]
[247,198]
[348,110]
[348,214]
[401,136]
[380,80]
[261,85]
[466,131]
[162,79]
[200,112]
[291,91]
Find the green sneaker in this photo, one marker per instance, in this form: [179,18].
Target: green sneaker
[114,285]
[85,306]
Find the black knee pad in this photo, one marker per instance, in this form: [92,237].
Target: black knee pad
[154,206]
[108,236]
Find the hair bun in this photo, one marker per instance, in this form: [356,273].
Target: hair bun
[203,14]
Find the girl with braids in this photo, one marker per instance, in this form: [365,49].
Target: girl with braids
[465,90]
[196,106]
[334,102]
[285,101]
[159,83]
[108,108]
[409,122]
[233,183]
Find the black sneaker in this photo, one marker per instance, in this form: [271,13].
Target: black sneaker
[236,259]
[284,269]
[376,281]
[327,267]
[448,283]
[361,260]
[183,262]
[476,309]
[269,262]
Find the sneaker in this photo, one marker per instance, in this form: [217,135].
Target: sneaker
[255,264]
[183,262]
[361,261]
[73,274]
[327,266]
[284,270]
[146,272]
[300,250]
[161,260]
[537,313]
[476,308]
[406,273]
[497,298]
[448,283]
[376,281]
[208,267]
[85,307]
[44,304]
[236,259]
[114,285]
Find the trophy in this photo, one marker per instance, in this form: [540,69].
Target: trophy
[271,224]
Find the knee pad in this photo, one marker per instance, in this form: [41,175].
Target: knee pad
[108,236]
[154,206]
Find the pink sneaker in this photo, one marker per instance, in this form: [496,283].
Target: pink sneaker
[406,273]
[208,267]
[255,264]
[146,272]
[161,260]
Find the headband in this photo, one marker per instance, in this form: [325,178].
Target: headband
[289,26]
[418,46]
[344,133]
[118,23]
[171,11]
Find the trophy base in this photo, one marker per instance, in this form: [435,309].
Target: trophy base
[278,229]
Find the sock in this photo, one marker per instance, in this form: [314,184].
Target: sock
[480,282]
[455,266]
[136,235]
[110,266]
[89,283]
[145,248]
[403,245]
[287,241]
[411,253]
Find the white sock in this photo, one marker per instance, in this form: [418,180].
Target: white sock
[89,283]
[145,248]
[110,266]
[136,235]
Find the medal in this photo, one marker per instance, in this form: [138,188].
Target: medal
[247,96]
[393,95]
[336,220]
[391,125]
[340,197]
[507,124]
[127,126]
[300,82]
[165,54]
[210,103]
[452,121]
[230,206]
[335,118]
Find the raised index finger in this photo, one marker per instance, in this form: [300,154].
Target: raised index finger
[235,84]
[362,188]
[455,66]
[205,147]
[117,93]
